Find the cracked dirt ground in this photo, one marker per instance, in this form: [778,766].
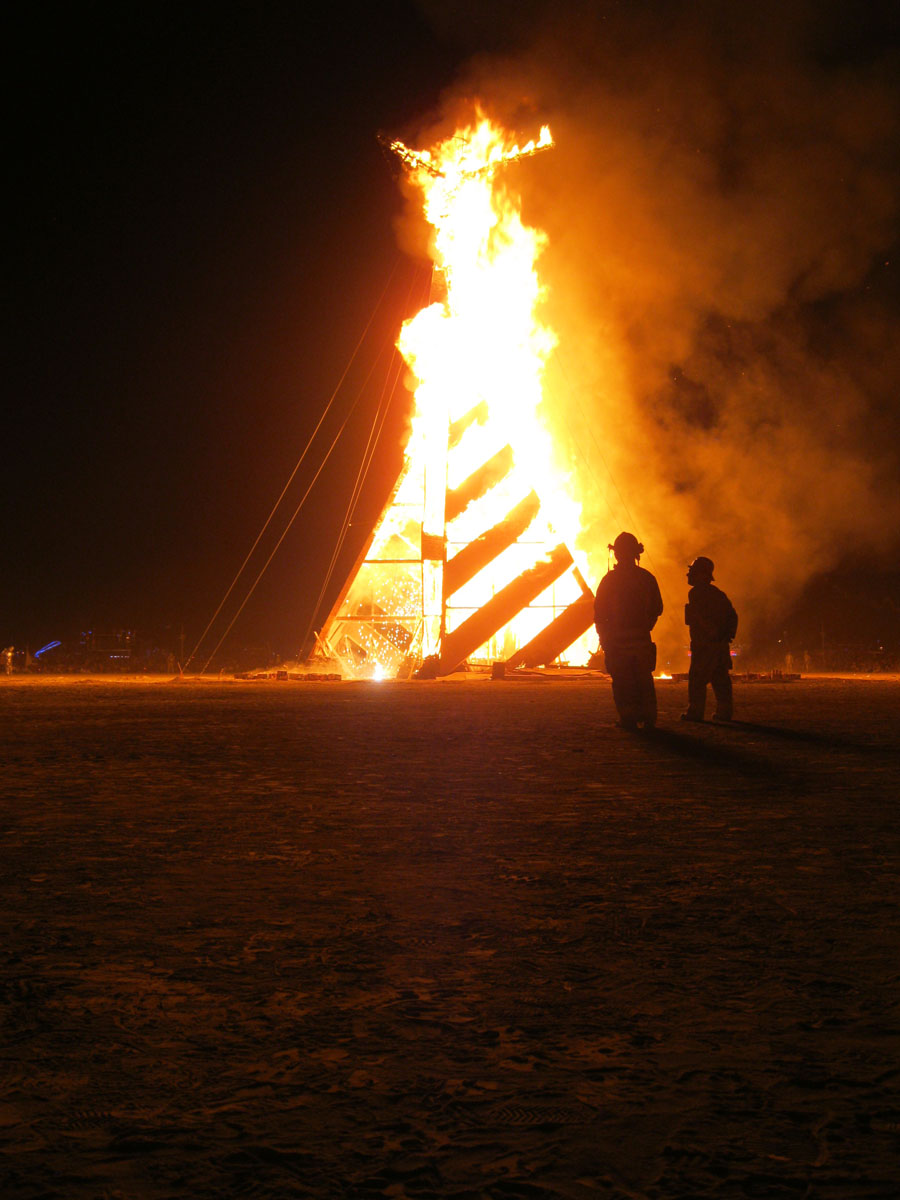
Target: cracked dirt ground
[452,939]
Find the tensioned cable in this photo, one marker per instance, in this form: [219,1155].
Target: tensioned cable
[296,512]
[283,535]
[360,475]
[293,473]
[384,403]
[366,462]
[378,424]
[418,308]
[380,418]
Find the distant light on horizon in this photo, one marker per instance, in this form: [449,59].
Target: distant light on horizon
[43,649]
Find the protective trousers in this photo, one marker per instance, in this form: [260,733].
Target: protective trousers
[710,663]
[631,666]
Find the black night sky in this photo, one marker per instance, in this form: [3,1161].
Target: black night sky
[202,228]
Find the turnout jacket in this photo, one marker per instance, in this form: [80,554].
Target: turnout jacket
[710,615]
[627,606]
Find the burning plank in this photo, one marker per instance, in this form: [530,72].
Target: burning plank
[478,484]
[562,631]
[477,554]
[501,609]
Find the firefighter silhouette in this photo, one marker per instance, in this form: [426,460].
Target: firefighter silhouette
[626,608]
[712,620]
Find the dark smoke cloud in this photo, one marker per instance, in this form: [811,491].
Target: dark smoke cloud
[722,208]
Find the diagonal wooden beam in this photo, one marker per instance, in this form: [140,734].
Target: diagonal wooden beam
[556,637]
[458,427]
[500,609]
[475,555]
[478,484]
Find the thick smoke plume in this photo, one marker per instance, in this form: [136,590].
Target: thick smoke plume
[722,208]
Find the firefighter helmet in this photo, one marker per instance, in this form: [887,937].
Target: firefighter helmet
[701,570]
[627,547]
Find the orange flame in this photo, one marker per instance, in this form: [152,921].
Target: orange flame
[483,342]
[479,347]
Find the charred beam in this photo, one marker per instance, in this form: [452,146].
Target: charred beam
[500,609]
[466,564]
[477,415]
[557,636]
[479,483]
[433,547]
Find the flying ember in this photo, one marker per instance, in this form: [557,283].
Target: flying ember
[469,562]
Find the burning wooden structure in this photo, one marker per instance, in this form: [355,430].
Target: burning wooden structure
[439,597]
[469,561]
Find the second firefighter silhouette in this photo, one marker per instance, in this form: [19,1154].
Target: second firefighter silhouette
[626,608]
[713,623]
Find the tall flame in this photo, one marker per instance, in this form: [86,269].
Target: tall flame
[484,340]
[478,460]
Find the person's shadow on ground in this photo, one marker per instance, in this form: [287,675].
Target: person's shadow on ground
[711,752]
[809,736]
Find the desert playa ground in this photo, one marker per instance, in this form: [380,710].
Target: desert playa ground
[454,939]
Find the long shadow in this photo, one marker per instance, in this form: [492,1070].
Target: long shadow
[728,757]
[809,736]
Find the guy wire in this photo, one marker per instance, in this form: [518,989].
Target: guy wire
[293,473]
